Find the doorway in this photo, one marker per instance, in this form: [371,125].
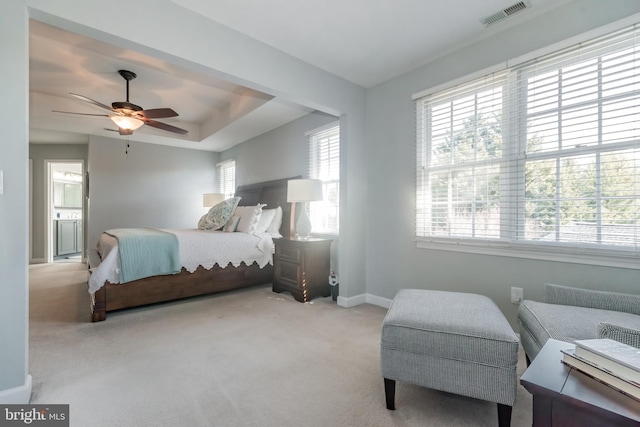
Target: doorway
[64,211]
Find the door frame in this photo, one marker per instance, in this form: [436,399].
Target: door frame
[48,207]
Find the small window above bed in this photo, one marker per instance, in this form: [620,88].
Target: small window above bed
[227,177]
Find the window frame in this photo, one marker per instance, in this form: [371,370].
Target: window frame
[330,130]
[508,244]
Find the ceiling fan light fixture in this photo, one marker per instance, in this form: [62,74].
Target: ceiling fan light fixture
[126,122]
[129,117]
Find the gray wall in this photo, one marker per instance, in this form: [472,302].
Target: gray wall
[38,153]
[151,186]
[15,382]
[280,153]
[393,261]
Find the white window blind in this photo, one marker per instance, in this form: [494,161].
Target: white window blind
[545,154]
[227,178]
[460,155]
[324,164]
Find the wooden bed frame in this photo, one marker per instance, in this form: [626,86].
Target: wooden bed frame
[156,289]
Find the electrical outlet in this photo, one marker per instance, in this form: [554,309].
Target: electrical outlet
[517,295]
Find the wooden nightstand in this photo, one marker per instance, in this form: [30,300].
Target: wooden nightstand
[302,268]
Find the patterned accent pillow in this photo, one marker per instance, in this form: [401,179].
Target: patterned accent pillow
[218,215]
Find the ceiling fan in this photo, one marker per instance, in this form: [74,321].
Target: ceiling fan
[129,117]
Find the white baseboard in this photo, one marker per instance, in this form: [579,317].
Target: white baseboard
[379,301]
[20,395]
[363,299]
[351,301]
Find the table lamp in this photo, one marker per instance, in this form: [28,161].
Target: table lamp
[211,199]
[302,191]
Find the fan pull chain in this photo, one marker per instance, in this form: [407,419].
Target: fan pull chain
[126,150]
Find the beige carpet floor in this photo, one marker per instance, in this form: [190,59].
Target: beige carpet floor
[242,358]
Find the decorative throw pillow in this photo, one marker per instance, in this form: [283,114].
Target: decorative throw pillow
[232,224]
[219,214]
[265,220]
[249,217]
[274,227]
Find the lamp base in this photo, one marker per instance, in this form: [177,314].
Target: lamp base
[303,225]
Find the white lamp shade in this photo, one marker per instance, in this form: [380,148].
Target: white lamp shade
[125,122]
[211,199]
[304,190]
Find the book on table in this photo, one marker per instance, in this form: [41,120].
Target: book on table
[619,358]
[601,374]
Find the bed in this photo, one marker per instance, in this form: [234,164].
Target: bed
[201,280]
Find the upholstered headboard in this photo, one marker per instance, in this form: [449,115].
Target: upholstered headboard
[273,194]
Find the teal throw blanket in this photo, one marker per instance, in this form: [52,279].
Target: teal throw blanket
[146,252]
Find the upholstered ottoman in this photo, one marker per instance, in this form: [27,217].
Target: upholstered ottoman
[454,342]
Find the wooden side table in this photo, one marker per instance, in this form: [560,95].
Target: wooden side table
[563,397]
[302,268]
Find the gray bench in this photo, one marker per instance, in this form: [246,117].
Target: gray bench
[454,342]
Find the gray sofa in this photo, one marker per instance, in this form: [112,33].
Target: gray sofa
[570,314]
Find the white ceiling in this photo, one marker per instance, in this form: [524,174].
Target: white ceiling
[366,42]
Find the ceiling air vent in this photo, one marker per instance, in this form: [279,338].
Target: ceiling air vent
[505,13]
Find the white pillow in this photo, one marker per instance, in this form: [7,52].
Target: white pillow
[265,220]
[249,217]
[274,227]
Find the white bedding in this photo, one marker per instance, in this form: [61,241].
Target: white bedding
[197,247]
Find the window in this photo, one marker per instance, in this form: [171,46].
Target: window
[324,164]
[542,156]
[227,178]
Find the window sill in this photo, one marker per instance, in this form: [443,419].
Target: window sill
[536,251]
[325,236]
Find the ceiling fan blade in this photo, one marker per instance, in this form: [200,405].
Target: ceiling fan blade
[92,101]
[80,114]
[159,113]
[165,126]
